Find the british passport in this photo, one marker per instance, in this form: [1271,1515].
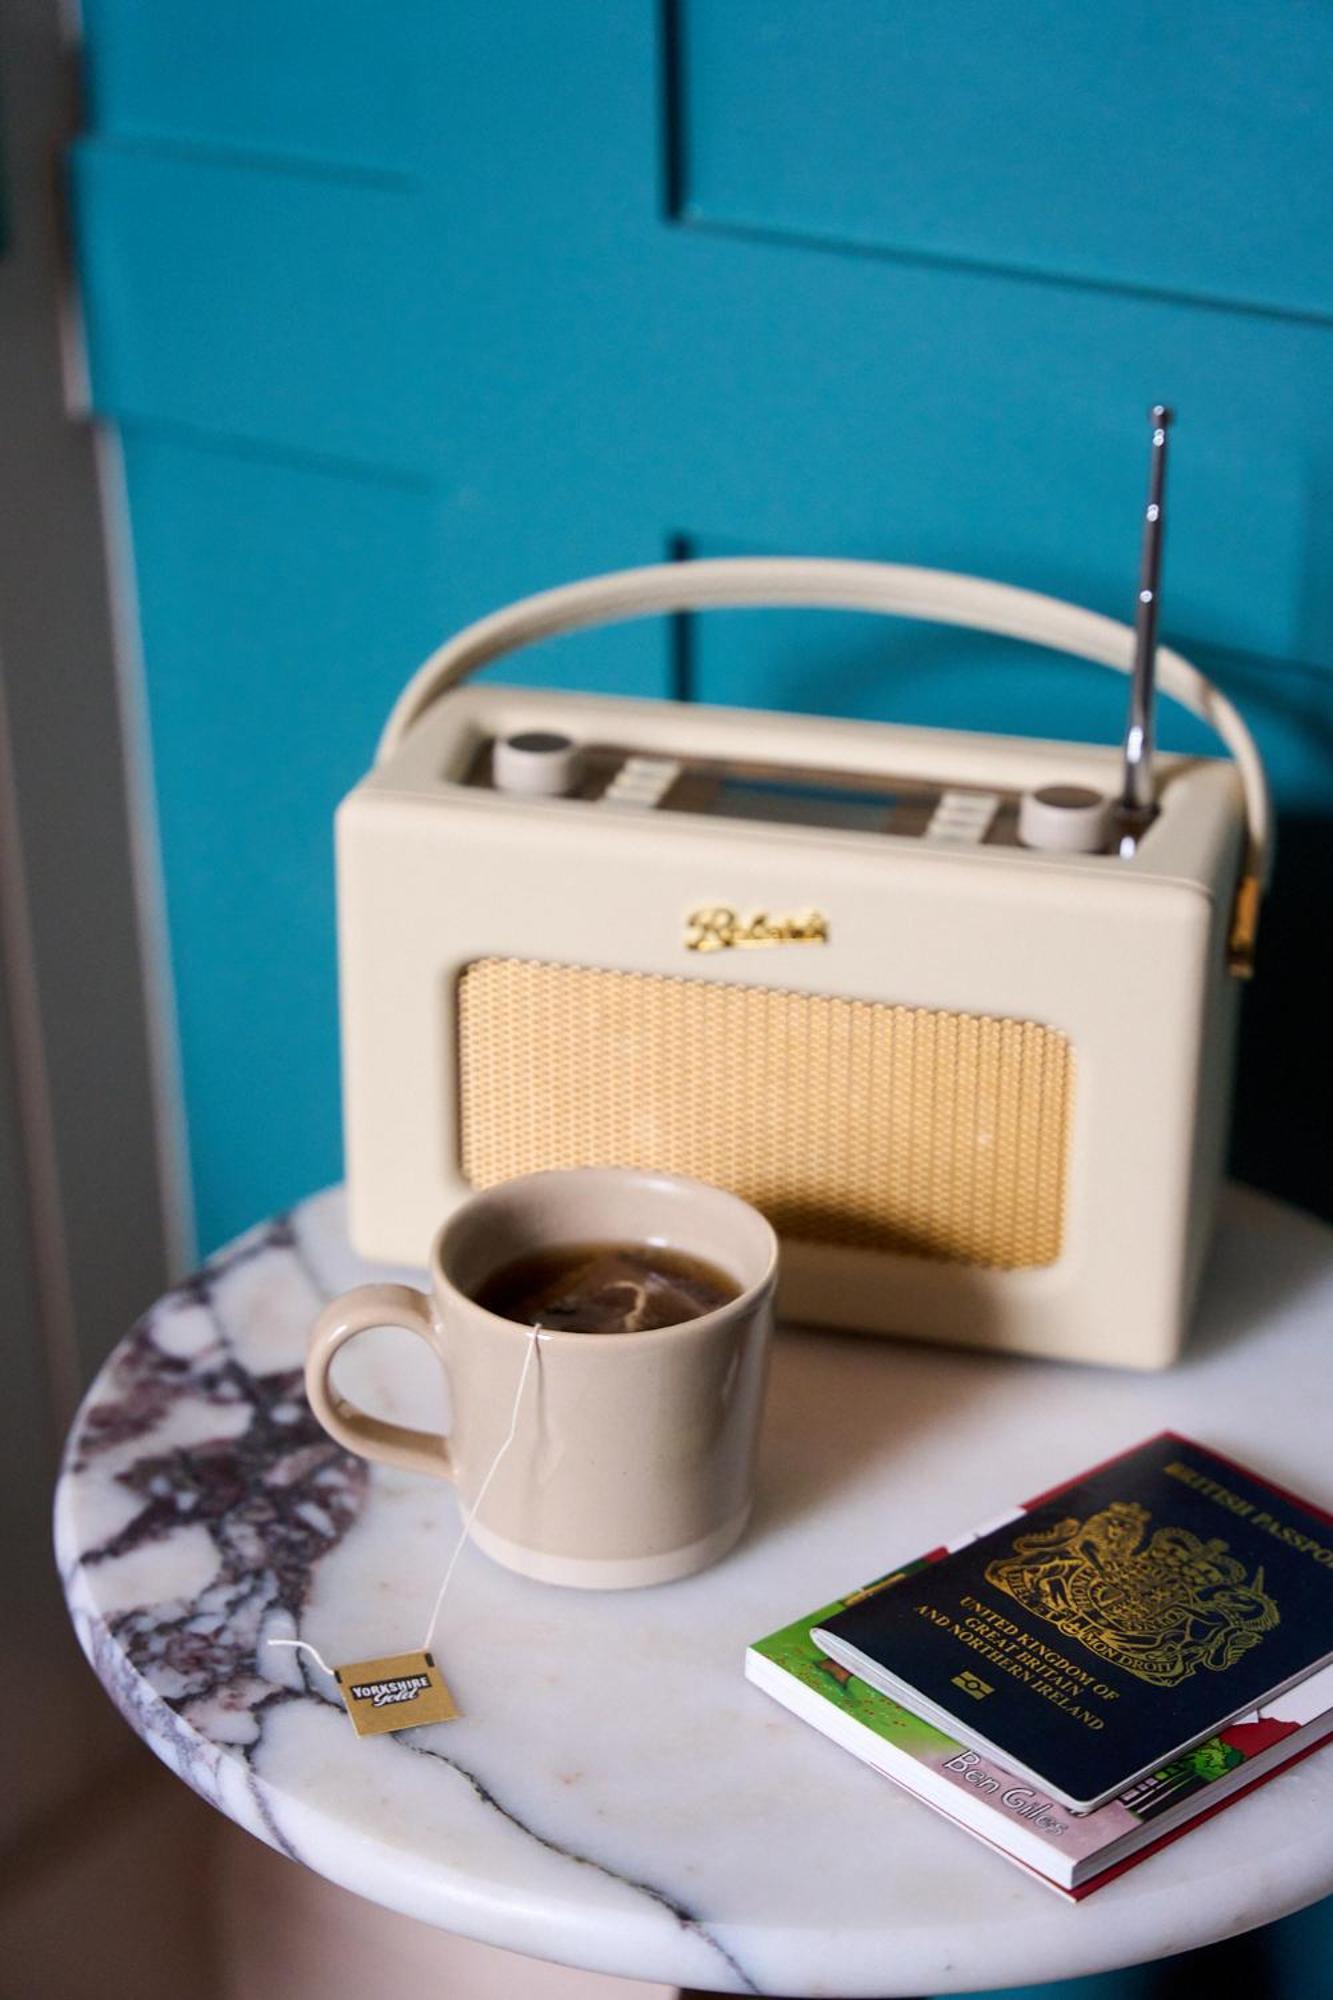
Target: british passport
[1109,1625]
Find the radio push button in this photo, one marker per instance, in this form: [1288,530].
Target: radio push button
[1064,819]
[642,781]
[962,819]
[536,763]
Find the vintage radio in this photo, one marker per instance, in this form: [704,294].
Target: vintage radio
[956,1011]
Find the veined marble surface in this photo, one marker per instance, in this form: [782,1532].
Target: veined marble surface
[616,1796]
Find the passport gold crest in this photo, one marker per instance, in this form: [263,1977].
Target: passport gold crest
[1160,1610]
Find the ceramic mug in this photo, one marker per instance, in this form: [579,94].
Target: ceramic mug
[632,1460]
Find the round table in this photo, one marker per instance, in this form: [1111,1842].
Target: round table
[616,1796]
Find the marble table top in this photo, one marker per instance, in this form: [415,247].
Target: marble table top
[616,1796]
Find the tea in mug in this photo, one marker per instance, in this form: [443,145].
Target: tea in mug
[606,1288]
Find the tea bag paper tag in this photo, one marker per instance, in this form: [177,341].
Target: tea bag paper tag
[401,1691]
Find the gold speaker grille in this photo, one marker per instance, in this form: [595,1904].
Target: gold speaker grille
[902,1129]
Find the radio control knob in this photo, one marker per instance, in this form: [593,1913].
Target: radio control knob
[1064,819]
[538,763]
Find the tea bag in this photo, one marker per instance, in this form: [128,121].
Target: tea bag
[616,1291]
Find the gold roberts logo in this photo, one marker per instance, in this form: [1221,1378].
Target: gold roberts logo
[718,927]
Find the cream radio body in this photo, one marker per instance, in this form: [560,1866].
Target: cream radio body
[980,1087]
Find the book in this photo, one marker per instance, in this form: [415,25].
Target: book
[1101,1631]
[1073,1854]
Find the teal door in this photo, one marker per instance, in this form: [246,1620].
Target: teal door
[400,312]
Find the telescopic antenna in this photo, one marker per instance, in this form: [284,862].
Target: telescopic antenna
[1137,805]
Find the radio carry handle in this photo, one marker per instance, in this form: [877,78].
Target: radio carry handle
[892,589]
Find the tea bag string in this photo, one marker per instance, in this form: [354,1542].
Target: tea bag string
[304,1645]
[475,1508]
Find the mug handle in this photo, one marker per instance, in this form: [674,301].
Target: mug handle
[374,1437]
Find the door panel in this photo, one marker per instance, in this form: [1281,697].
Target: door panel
[1184,151]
